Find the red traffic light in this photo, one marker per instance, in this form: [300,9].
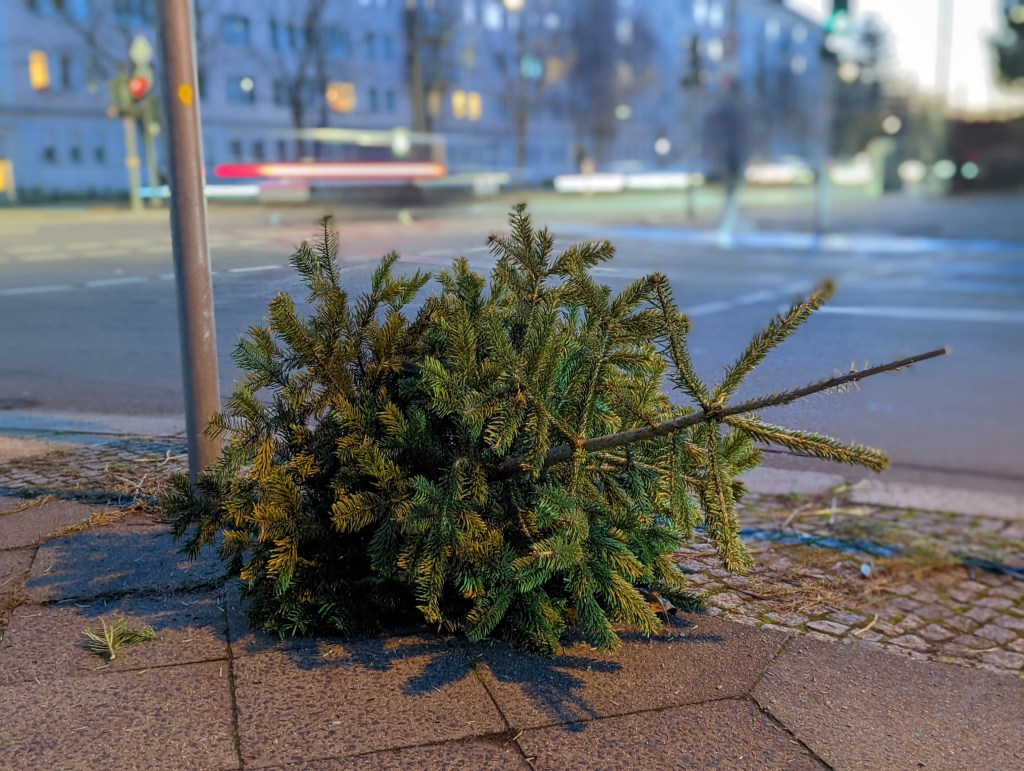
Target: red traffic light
[138,86]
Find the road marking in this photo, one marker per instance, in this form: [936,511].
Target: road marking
[121,281]
[754,298]
[254,269]
[166,277]
[35,289]
[708,308]
[929,314]
[28,249]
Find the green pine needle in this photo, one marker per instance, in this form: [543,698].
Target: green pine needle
[108,641]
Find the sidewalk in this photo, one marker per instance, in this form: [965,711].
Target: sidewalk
[867,637]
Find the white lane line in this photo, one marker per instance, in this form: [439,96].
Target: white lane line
[28,249]
[166,277]
[254,269]
[707,308]
[120,281]
[754,298]
[35,290]
[929,314]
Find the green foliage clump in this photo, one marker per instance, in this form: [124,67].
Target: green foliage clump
[503,461]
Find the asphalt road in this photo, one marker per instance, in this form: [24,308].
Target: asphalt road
[89,342]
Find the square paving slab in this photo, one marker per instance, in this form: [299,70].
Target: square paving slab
[46,642]
[475,754]
[856,707]
[24,522]
[173,718]
[125,557]
[707,658]
[731,734]
[335,701]
[14,565]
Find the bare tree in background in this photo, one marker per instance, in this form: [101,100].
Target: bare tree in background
[431,27]
[613,58]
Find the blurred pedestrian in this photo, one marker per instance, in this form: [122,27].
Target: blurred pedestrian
[727,146]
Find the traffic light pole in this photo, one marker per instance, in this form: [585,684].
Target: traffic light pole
[188,231]
[132,163]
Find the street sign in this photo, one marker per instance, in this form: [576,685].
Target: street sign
[140,51]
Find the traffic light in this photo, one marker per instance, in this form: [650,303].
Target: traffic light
[138,87]
[839,17]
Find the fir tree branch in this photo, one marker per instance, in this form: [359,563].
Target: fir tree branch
[564,452]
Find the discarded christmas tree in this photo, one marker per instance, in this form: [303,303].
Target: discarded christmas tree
[504,462]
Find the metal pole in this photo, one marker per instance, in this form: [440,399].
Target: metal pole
[132,163]
[188,231]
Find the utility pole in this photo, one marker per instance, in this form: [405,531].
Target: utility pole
[188,231]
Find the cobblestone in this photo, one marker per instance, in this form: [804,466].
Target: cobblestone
[926,602]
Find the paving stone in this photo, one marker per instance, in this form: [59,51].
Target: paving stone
[1009,591]
[129,556]
[997,634]
[175,717]
[34,521]
[912,642]
[727,600]
[786,618]
[961,623]
[1004,659]
[13,565]
[729,734]
[1011,622]
[906,604]
[974,586]
[903,589]
[858,708]
[997,603]
[483,754]
[829,627]
[707,659]
[962,595]
[981,615]
[847,618]
[933,612]
[890,630]
[47,642]
[935,633]
[1017,645]
[370,695]
[911,622]
[972,642]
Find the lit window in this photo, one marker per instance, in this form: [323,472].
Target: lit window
[700,11]
[474,105]
[716,15]
[459,104]
[493,17]
[434,99]
[341,96]
[38,70]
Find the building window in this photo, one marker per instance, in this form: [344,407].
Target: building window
[66,75]
[235,30]
[235,150]
[282,150]
[32,5]
[99,154]
[371,46]
[280,93]
[257,151]
[75,154]
[389,49]
[50,154]
[338,42]
[241,90]
[134,12]
[389,100]
[374,106]
[38,70]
